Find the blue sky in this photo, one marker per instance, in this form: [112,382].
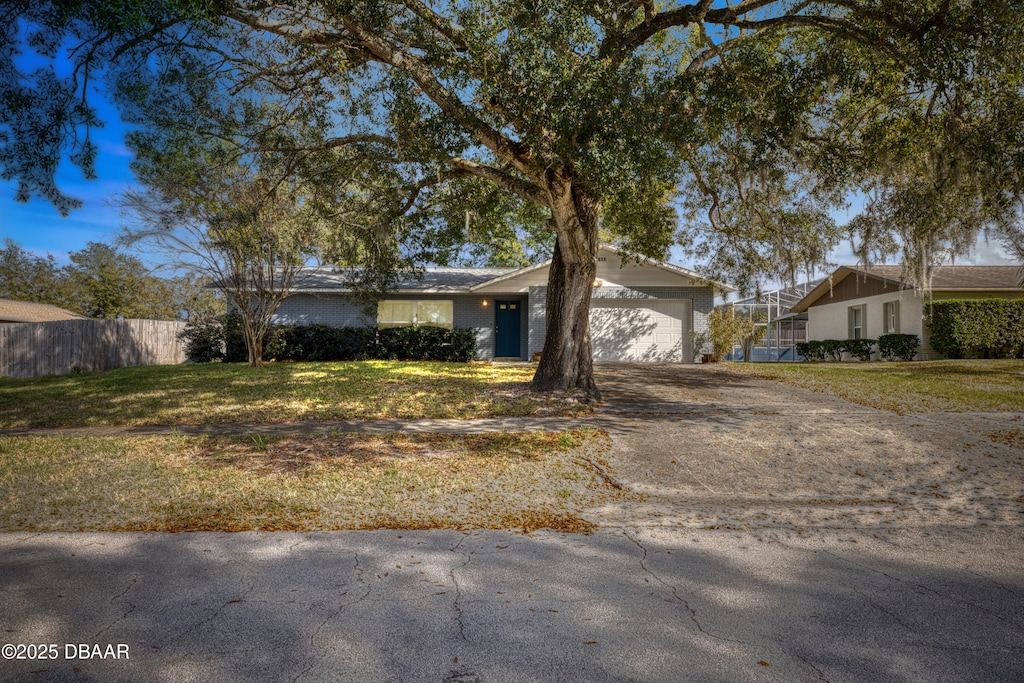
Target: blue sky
[39,228]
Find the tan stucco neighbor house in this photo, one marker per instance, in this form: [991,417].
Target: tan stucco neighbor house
[25,312]
[865,302]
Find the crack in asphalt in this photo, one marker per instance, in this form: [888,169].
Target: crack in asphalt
[675,593]
[700,627]
[215,614]
[457,603]
[1002,585]
[929,589]
[124,615]
[330,617]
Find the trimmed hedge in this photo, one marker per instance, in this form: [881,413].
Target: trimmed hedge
[325,343]
[898,346]
[992,328]
[833,349]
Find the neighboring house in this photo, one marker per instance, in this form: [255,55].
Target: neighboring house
[780,329]
[25,312]
[640,312]
[866,302]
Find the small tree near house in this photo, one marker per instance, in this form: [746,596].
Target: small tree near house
[727,329]
[246,229]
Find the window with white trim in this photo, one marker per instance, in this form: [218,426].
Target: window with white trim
[856,322]
[891,317]
[414,314]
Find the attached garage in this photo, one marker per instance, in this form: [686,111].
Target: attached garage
[641,330]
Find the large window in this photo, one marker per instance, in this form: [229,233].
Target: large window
[891,315]
[856,322]
[414,313]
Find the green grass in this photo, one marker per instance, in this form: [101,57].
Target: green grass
[229,392]
[916,387]
[176,483]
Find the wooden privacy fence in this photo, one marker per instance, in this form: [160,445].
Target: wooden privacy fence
[64,346]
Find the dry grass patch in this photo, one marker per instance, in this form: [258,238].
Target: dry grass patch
[915,387]
[176,483]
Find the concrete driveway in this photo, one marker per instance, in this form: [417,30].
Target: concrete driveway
[713,448]
[769,546]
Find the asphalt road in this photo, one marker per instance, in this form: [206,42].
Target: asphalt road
[655,605]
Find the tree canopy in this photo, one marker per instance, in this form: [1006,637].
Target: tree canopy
[101,281]
[751,121]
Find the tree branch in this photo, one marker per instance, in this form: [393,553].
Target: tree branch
[359,41]
[523,188]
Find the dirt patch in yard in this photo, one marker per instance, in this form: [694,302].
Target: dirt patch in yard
[723,450]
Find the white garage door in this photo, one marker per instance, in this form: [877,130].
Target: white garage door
[640,330]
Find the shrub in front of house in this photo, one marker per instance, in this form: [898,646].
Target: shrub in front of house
[833,349]
[204,339]
[991,328]
[426,343]
[324,343]
[234,339]
[812,351]
[898,346]
[861,349]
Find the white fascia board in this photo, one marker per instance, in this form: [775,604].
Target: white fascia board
[510,275]
[675,270]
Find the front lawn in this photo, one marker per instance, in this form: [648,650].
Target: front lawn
[916,387]
[345,481]
[230,392]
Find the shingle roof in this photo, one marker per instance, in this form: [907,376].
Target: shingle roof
[955,277]
[25,312]
[328,278]
[944,279]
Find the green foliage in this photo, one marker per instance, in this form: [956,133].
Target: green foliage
[325,343]
[726,329]
[898,346]
[107,283]
[204,339]
[860,349]
[25,277]
[101,282]
[812,350]
[992,328]
[235,350]
[426,343]
[833,349]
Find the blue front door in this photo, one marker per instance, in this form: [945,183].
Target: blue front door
[506,329]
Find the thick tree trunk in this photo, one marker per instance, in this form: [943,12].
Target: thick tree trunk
[567,361]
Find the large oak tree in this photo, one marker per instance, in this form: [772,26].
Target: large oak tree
[757,117]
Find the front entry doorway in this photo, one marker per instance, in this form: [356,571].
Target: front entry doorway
[507,327]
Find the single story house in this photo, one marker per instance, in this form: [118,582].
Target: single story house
[864,302]
[640,311]
[26,312]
